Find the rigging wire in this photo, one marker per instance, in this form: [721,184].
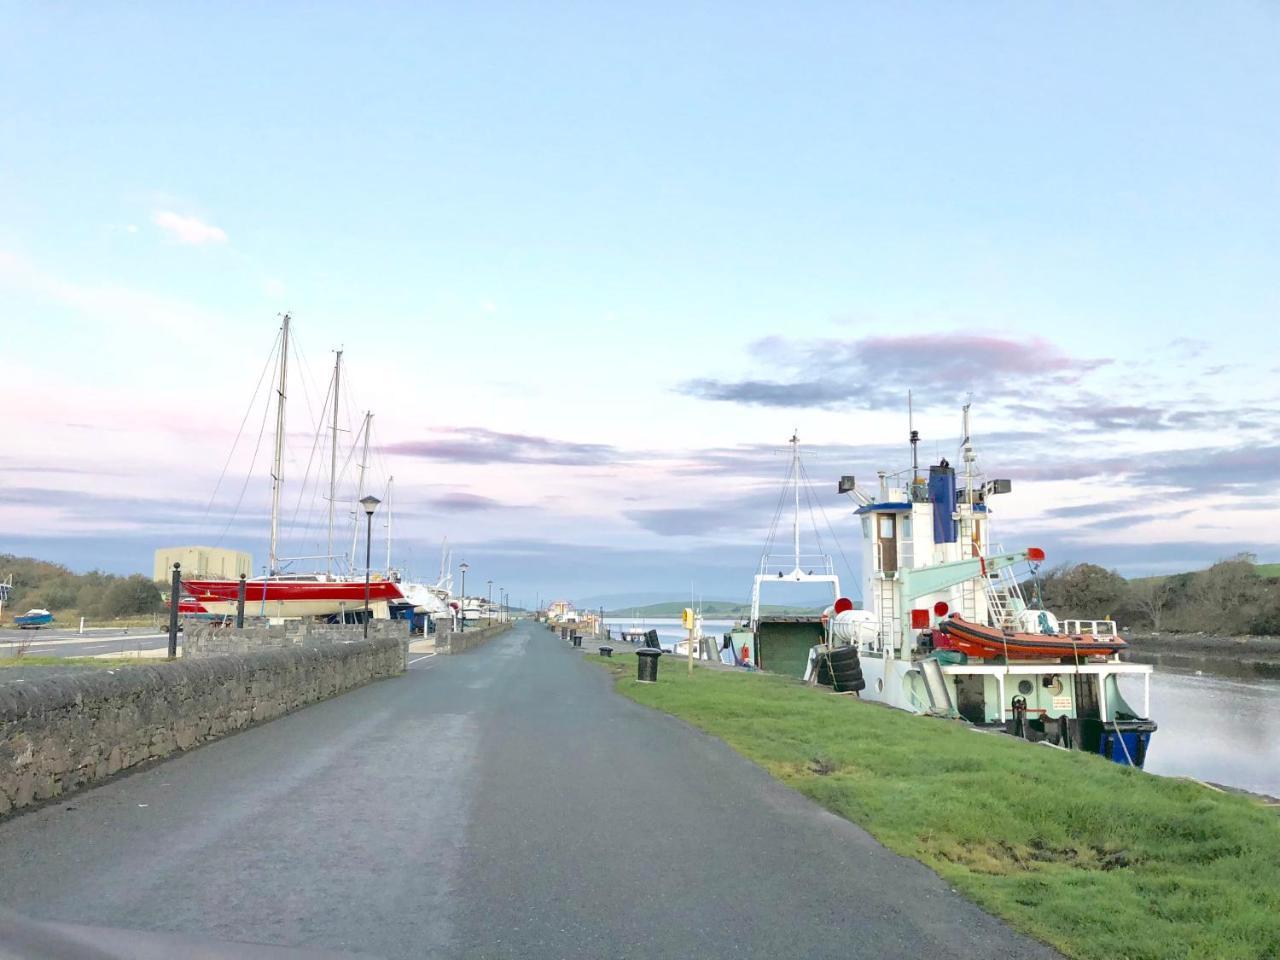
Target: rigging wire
[262,429]
[302,489]
[857,586]
[777,513]
[245,419]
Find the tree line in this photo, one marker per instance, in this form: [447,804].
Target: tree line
[97,595]
[1229,598]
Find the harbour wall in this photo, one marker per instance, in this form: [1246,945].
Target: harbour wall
[60,734]
[469,639]
[211,640]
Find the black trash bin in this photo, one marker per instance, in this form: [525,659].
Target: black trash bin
[577,639]
[647,664]
[606,651]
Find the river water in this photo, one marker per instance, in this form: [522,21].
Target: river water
[1214,728]
[1211,727]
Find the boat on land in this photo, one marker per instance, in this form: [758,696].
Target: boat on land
[952,631]
[33,619]
[282,594]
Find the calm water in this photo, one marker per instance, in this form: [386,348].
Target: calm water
[1211,727]
[1214,728]
[669,631]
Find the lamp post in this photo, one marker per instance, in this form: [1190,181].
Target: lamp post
[370,504]
[462,603]
[488,610]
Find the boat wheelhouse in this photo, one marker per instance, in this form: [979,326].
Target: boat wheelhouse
[950,631]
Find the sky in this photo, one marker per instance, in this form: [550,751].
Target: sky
[592,264]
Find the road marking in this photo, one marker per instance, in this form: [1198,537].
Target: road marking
[72,642]
[426,657]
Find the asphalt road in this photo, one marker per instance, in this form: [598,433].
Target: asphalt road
[500,803]
[47,642]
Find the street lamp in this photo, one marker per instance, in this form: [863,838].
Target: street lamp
[488,610]
[370,504]
[462,604]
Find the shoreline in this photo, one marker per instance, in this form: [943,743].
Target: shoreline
[1249,658]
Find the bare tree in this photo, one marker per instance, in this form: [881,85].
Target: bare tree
[1152,597]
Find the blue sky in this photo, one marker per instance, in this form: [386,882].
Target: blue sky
[669,234]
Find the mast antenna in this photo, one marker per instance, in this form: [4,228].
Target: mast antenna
[364,463]
[390,480]
[277,468]
[795,471]
[333,459]
[915,441]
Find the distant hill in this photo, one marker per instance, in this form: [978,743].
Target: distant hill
[711,609]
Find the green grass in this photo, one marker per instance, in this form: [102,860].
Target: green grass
[27,660]
[1098,860]
[1268,569]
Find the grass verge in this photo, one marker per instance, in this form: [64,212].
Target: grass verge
[27,660]
[1098,860]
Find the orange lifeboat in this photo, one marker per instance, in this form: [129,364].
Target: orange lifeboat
[976,640]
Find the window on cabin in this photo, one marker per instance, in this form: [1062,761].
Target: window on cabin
[887,529]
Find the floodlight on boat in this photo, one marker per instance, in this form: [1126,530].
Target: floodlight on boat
[846,484]
[997,486]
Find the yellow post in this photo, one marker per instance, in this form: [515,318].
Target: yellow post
[689,620]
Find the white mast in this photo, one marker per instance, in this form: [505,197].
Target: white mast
[277,470]
[364,463]
[388,508]
[333,460]
[795,472]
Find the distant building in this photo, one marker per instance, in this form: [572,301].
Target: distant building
[211,562]
[562,610]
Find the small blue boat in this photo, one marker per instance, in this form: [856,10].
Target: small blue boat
[34,618]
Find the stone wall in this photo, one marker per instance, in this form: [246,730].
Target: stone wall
[63,733]
[201,639]
[470,638]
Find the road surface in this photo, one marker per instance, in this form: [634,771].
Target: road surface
[47,642]
[500,803]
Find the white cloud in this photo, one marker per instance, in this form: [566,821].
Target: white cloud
[188,230]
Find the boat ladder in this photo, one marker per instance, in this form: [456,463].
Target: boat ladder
[887,611]
[935,684]
[1004,596]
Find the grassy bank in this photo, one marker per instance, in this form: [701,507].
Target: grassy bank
[1096,859]
[27,660]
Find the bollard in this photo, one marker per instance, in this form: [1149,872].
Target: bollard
[647,664]
[606,651]
[175,591]
[240,604]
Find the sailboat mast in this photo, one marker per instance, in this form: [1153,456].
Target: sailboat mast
[390,480]
[364,463]
[277,469]
[795,472]
[333,460]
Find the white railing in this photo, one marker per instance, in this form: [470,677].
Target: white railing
[785,563]
[1089,628]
